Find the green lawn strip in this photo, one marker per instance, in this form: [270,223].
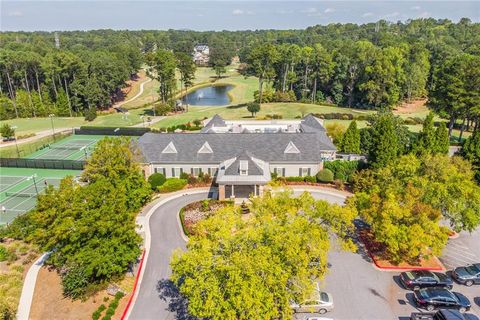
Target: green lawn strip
[31,147]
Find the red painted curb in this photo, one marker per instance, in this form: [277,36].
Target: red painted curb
[401,268]
[124,314]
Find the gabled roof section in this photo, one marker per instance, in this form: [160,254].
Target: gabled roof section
[205,148]
[216,121]
[291,148]
[170,148]
[312,122]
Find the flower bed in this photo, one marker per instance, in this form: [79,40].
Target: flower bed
[197,211]
[376,252]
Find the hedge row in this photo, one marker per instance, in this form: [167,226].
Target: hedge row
[172,184]
[343,170]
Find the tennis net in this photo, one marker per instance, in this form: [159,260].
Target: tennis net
[66,147]
[20,194]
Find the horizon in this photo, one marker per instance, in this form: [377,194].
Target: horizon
[200,16]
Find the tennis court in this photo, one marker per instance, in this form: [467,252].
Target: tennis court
[71,148]
[19,188]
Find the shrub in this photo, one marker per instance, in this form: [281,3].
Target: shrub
[172,184]
[184,175]
[96,315]
[90,114]
[287,96]
[7,131]
[343,170]
[156,180]
[325,175]
[312,179]
[75,282]
[3,253]
[161,109]
[294,179]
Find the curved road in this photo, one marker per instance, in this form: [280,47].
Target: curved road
[157,298]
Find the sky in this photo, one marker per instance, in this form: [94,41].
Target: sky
[37,15]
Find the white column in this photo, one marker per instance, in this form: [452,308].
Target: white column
[254,190]
[233,192]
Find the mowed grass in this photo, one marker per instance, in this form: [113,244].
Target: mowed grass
[35,125]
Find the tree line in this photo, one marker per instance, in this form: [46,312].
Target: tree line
[374,65]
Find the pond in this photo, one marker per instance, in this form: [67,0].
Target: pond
[209,96]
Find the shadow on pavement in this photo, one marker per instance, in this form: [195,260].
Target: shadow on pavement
[410,298]
[477,301]
[397,281]
[359,225]
[404,318]
[168,291]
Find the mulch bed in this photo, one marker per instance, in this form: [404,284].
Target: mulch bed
[376,252]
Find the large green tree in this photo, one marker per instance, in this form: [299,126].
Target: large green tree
[245,268]
[350,142]
[388,139]
[161,67]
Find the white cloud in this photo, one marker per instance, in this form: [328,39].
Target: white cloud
[237,12]
[312,12]
[392,15]
[329,10]
[15,13]
[283,11]
[367,14]
[416,8]
[424,14]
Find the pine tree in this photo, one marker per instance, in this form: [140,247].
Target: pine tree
[351,139]
[442,142]
[426,142]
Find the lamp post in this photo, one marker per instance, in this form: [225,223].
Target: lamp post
[51,115]
[15,137]
[143,119]
[85,151]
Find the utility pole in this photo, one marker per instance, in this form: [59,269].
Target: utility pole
[15,137]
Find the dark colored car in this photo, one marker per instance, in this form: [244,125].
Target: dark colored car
[433,298]
[468,275]
[424,279]
[443,314]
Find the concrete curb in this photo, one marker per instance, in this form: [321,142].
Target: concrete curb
[147,240]
[28,289]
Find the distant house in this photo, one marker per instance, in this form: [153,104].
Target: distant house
[201,54]
[240,154]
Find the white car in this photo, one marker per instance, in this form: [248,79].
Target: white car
[320,302]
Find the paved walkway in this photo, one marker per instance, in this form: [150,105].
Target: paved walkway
[29,287]
[37,135]
[119,104]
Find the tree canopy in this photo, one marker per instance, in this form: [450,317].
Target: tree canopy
[251,267]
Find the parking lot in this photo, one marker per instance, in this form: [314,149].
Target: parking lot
[362,292]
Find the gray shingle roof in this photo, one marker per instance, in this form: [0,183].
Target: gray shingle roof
[216,121]
[312,122]
[253,168]
[265,146]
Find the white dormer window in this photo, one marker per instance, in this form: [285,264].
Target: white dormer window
[170,148]
[291,148]
[243,167]
[205,148]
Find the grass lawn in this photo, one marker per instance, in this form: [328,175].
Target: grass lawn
[34,125]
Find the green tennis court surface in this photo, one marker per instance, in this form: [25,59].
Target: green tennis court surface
[76,147]
[19,188]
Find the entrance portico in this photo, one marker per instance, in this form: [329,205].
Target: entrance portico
[242,177]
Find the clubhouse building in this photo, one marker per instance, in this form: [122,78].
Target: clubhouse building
[240,155]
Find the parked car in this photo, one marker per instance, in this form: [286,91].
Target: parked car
[467,275]
[320,302]
[432,298]
[424,279]
[443,314]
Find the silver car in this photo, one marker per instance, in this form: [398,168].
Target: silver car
[320,302]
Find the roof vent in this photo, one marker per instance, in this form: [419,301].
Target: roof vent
[205,148]
[170,148]
[291,148]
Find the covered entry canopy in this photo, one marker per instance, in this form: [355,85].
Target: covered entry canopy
[245,172]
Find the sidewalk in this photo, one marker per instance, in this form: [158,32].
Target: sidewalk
[26,298]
